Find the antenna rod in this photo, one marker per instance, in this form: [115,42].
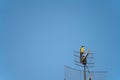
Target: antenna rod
[84,71]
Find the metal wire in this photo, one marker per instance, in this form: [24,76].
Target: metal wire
[74,74]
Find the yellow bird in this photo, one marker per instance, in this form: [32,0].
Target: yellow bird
[81,52]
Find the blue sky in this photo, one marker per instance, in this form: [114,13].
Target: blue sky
[37,38]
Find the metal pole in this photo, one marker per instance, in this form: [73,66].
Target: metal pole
[84,71]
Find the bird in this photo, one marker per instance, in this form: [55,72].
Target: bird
[81,52]
[82,49]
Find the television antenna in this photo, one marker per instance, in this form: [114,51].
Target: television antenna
[85,61]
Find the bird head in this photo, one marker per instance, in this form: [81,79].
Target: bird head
[82,46]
